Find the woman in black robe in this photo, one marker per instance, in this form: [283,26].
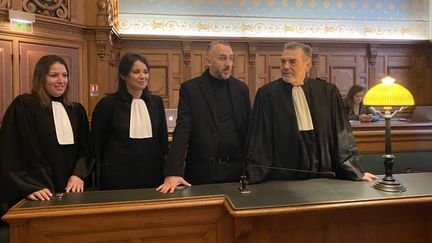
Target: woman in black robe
[129,131]
[44,138]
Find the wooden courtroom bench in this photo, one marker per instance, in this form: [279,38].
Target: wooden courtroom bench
[315,210]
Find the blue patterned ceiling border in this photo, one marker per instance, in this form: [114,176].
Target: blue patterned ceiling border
[404,10]
[164,25]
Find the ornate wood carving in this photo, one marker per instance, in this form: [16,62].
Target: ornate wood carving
[53,8]
[187,49]
[114,58]
[252,53]
[373,53]
[105,13]
[4,4]
[58,30]
[15,4]
[315,56]
[104,45]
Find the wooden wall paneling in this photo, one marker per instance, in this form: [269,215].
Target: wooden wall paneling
[362,70]
[241,61]
[372,54]
[176,63]
[399,67]
[159,74]
[5,76]
[262,72]
[323,67]
[186,64]
[167,64]
[198,63]
[418,80]
[251,69]
[158,84]
[427,73]
[240,66]
[106,84]
[343,77]
[4,4]
[275,66]
[380,70]
[343,64]
[408,65]
[31,53]
[346,68]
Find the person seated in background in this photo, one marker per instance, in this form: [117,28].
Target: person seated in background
[45,138]
[354,106]
[129,130]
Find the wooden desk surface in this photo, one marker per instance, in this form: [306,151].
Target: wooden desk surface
[396,124]
[293,195]
[271,194]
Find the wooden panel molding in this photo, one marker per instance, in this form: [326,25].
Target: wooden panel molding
[5,76]
[343,64]
[31,53]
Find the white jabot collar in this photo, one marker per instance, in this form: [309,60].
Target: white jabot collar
[62,124]
[304,119]
[140,124]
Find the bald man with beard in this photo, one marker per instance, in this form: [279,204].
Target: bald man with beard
[213,116]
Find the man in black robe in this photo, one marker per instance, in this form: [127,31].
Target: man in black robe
[300,123]
[210,133]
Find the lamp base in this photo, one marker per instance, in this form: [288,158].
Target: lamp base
[389,185]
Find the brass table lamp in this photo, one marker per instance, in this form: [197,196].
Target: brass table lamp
[388,95]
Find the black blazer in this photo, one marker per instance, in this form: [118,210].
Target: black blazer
[195,133]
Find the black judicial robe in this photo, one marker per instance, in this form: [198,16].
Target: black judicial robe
[274,138]
[127,163]
[31,157]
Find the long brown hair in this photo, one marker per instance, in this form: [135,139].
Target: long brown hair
[39,80]
[353,91]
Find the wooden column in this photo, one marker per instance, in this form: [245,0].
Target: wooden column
[252,70]
[313,73]
[373,53]
[187,49]
[107,57]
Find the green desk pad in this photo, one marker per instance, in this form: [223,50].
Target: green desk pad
[111,196]
[322,191]
[265,195]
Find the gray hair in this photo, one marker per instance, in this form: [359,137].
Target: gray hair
[217,42]
[307,50]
